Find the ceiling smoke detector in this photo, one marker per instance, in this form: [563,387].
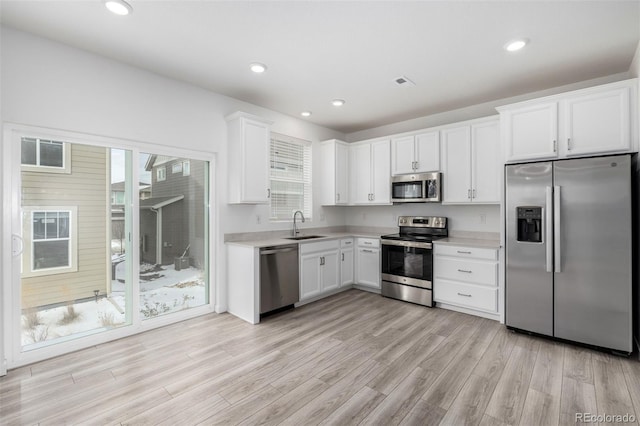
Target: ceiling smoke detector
[403,82]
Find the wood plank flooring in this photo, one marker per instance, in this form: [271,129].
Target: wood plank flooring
[353,358]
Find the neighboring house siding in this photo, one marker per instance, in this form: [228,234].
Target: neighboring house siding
[176,230]
[87,189]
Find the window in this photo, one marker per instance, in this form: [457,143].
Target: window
[186,168]
[176,167]
[51,240]
[44,155]
[290,177]
[161,174]
[117,197]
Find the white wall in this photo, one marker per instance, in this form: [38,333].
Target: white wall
[461,218]
[48,84]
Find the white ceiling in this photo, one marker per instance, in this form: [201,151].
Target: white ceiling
[320,50]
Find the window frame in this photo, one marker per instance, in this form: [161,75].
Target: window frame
[66,158]
[307,183]
[186,168]
[160,169]
[28,269]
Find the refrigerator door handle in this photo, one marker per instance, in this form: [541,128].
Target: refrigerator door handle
[549,228]
[557,230]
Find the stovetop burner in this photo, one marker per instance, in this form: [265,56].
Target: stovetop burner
[420,228]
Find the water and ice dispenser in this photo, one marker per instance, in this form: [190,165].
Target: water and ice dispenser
[529,224]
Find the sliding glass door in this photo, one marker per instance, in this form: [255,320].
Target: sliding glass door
[173,223]
[106,241]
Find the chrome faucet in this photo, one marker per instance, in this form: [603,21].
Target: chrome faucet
[295,231]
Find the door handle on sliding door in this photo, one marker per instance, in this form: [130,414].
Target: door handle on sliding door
[557,232]
[14,240]
[548,237]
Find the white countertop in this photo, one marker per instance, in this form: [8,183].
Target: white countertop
[469,242]
[280,241]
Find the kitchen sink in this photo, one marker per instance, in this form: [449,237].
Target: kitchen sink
[304,237]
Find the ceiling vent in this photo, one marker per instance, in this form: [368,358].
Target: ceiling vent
[403,81]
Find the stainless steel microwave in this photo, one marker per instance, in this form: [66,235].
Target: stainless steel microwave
[418,188]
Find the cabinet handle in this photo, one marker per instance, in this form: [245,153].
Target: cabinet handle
[347,243]
[468,193]
[268,192]
[569,144]
[473,194]
[417,163]
[555,146]
[321,260]
[343,257]
[367,251]
[464,270]
[338,196]
[465,295]
[463,252]
[373,197]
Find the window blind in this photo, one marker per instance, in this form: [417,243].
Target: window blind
[290,175]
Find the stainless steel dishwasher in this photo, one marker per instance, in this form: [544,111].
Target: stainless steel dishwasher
[279,279]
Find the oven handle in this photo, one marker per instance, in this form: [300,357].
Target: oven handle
[406,244]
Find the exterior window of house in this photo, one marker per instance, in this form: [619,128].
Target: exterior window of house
[117,197]
[43,155]
[52,240]
[161,174]
[176,167]
[186,168]
[290,177]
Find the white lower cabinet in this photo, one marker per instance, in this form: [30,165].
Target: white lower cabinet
[319,268]
[466,277]
[347,261]
[368,262]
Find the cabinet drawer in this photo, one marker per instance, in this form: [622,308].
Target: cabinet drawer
[319,246]
[368,242]
[471,271]
[466,252]
[346,242]
[467,295]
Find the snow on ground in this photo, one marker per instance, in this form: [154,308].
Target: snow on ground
[162,290]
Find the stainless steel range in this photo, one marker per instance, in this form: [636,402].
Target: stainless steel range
[407,258]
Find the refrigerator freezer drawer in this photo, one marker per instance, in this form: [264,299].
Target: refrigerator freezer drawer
[470,296]
[475,272]
[465,252]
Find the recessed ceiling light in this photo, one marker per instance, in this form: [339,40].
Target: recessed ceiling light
[515,45]
[306,113]
[258,68]
[338,102]
[119,7]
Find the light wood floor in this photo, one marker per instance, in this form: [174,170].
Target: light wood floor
[354,358]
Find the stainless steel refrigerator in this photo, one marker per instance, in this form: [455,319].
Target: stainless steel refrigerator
[569,250]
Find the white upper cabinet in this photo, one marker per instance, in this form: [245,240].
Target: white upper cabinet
[531,132]
[486,163]
[248,147]
[471,163]
[415,153]
[333,181]
[593,121]
[370,174]
[456,165]
[598,123]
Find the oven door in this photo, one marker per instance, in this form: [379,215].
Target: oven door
[407,262]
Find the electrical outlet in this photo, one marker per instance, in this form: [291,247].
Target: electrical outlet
[483,218]
[258,219]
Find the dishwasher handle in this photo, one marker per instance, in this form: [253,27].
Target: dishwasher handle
[271,250]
